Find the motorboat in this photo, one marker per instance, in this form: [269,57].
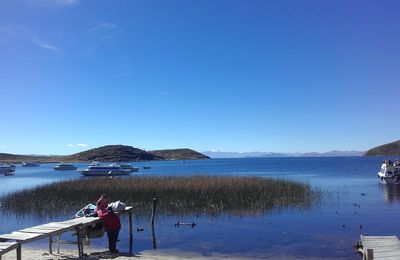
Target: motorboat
[85,211]
[94,231]
[101,169]
[7,169]
[30,164]
[65,167]
[389,174]
[129,167]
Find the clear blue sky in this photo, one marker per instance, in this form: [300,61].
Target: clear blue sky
[282,76]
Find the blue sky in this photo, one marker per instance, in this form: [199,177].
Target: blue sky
[281,76]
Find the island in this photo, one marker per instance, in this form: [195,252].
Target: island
[390,149]
[109,153]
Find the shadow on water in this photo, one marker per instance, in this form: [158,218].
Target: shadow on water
[391,193]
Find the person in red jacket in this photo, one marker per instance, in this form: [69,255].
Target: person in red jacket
[112,225]
[101,203]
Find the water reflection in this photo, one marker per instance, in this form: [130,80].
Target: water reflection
[391,192]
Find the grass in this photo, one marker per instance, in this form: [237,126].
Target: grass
[205,194]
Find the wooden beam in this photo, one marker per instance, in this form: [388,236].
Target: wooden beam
[19,254]
[50,245]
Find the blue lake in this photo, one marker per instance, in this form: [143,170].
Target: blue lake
[328,230]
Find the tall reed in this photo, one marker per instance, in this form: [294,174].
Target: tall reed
[176,195]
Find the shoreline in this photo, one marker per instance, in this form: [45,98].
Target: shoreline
[38,253]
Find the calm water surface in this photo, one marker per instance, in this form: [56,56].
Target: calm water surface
[327,230]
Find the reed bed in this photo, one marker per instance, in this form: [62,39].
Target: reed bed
[205,194]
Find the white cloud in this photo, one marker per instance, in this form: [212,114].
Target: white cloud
[106,31]
[77,145]
[3,147]
[48,46]
[17,32]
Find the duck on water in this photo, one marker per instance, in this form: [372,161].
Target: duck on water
[390,172]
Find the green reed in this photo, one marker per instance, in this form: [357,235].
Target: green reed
[205,194]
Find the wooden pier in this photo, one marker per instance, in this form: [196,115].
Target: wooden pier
[380,247]
[53,229]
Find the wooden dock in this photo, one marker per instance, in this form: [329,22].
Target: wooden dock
[380,247]
[7,247]
[52,229]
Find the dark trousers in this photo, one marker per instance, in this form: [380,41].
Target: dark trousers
[112,240]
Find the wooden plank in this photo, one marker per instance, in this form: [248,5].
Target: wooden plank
[381,247]
[21,237]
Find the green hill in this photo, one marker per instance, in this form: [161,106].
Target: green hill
[109,153]
[112,153]
[178,154]
[390,149]
[17,158]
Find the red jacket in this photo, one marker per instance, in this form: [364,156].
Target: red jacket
[110,219]
[101,204]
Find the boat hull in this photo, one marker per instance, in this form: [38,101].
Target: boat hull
[65,168]
[7,170]
[104,173]
[388,178]
[30,165]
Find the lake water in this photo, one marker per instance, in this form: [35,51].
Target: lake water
[328,230]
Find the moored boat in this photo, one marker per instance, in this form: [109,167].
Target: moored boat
[30,164]
[389,173]
[7,169]
[85,211]
[65,166]
[100,169]
[129,167]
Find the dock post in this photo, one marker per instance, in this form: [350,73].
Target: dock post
[50,245]
[19,256]
[58,244]
[130,233]
[79,241]
[130,225]
[370,254]
[153,213]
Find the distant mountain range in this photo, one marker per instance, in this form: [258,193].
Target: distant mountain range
[390,149]
[218,154]
[110,153]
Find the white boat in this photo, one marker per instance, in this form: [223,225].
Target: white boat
[87,210]
[100,169]
[7,169]
[129,167]
[65,166]
[30,164]
[389,174]
[93,231]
